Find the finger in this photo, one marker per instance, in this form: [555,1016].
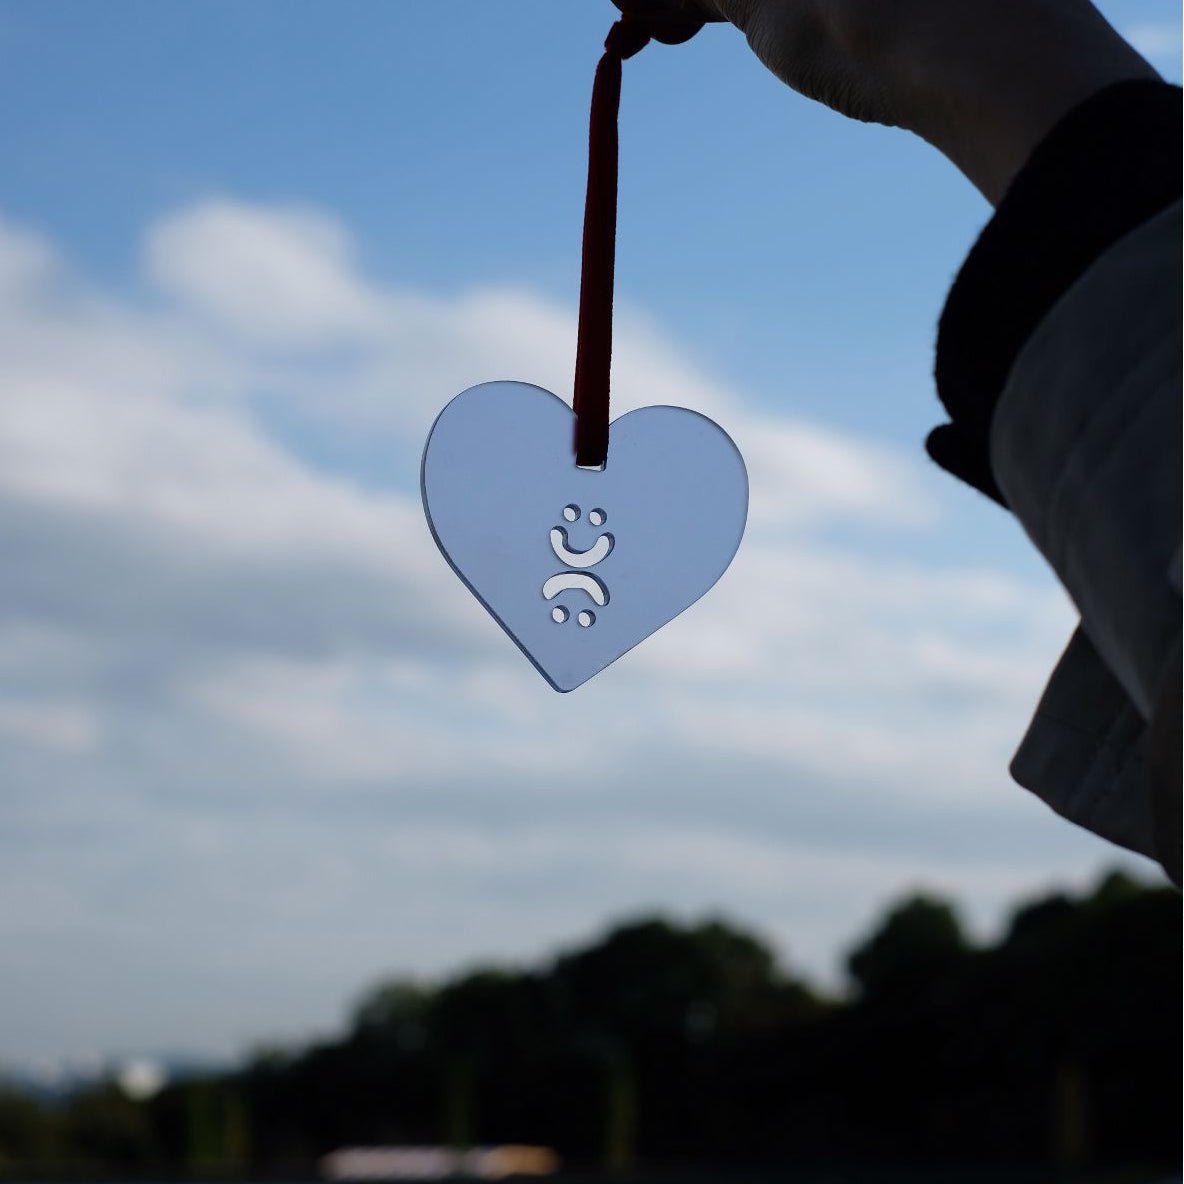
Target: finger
[671,21]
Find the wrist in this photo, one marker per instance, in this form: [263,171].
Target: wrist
[985,93]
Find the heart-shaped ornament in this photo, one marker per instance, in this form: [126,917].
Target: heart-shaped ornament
[578,565]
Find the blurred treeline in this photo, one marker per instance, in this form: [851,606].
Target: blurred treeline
[663,1045]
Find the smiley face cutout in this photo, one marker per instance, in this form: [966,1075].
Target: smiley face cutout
[597,553]
[579,579]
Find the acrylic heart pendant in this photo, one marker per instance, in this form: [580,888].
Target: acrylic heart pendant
[579,565]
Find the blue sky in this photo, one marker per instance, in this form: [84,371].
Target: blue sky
[258,745]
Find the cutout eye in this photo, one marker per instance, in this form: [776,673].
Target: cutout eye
[586,618]
[571,513]
[597,517]
[559,614]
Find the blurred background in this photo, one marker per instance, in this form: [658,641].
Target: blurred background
[299,853]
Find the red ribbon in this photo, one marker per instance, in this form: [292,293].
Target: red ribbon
[594,345]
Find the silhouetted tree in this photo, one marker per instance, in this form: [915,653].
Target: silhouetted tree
[103,1128]
[919,939]
[29,1132]
[661,1043]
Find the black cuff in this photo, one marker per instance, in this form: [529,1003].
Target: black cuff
[1113,162]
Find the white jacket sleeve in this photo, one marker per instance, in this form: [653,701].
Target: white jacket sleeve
[1085,445]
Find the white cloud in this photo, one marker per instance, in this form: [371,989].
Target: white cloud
[256,732]
[64,725]
[282,276]
[26,261]
[799,470]
[289,278]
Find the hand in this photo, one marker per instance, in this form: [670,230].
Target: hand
[982,80]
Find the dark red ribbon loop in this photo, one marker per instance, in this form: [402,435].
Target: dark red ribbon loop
[594,345]
[628,36]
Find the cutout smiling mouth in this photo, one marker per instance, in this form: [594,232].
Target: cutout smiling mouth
[595,554]
[578,580]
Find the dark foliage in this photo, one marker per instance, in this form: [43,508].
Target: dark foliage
[664,1044]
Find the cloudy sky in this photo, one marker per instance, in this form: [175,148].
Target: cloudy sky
[258,746]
